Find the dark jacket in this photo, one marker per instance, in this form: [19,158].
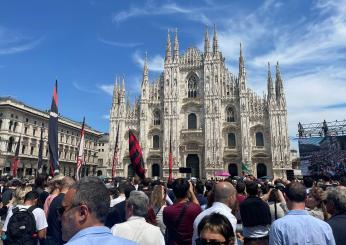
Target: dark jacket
[338,224]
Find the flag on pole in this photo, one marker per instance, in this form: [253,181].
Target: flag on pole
[40,154]
[53,133]
[15,159]
[244,168]
[80,156]
[136,156]
[115,154]
[170,177]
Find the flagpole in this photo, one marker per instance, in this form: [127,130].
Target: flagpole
[81,151]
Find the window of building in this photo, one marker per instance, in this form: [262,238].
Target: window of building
[192,87]
[192,121]
[26,119]
[11,115]
[15,126]
[259,139]
[10,126]
[230,115]
[35,122]
[42,124]
[103,150]
[10,144]
[157,117]
[25,130]
[156,142]
[0,124]
[23,149]
[31,150]
[47,152]
[34,132]
[231,140]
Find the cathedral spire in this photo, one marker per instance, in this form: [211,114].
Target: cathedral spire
[278,82]
[168,48]
[215,42]
[271,91]
[176,45]
[145,68]
[206,41]
[242,73]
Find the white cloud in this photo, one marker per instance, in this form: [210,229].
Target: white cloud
[154,64]
[152,9]
[107,88]
[119,44]
[83,89]
[18,48]
[105,117]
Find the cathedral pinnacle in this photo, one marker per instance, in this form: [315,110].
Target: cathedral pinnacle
[215,41]
[145,68]
[168,48]
[206,41]
[176,45]
[241,63]
[278,82]
[271,92]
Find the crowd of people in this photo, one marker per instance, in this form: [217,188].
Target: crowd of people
[242,210]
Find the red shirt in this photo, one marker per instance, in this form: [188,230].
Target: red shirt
[240,198]
[184,230]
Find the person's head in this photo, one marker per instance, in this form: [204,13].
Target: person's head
[66,184]
[308,182]
[19,194]
[200,187]
[128,189]
[240,187]
[86,204]
[180,188]
[31,198]
[215,228]
[336,201]
[295,195]
[252,188]
[158,196]
[274,196]
[40,181]
[315,198]
[137,204]
[224,192]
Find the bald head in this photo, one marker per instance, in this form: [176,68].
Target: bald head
[223,191]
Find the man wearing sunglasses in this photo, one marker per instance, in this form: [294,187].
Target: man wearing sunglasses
[83,213]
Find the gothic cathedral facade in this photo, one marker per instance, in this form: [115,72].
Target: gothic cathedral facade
[209,118]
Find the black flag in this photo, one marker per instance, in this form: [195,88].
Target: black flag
[53,132]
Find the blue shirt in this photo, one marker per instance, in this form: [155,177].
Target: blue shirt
[97,235]
[298,227]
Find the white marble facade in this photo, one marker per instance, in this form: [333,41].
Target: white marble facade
[212,118]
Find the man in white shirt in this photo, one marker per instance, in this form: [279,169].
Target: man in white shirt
[224,198]
[31,199]
[121,196]
[136,228]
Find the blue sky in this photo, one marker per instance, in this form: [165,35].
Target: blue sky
[85,44]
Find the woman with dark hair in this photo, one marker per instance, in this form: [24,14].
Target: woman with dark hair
[215,229]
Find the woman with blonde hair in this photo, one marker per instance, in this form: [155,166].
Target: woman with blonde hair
[157,204]
[19,194]
[54,187]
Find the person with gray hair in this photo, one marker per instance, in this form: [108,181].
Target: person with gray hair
[83,213]
[224,200]
[336,206]
[136,228]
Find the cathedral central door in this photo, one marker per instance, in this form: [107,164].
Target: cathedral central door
[192,161]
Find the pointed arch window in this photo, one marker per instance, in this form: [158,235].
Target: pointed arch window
[156,142]
[157,117]
[259,139]
[192,86]
[192,121]
[230,114]
[231,140]
[0,124]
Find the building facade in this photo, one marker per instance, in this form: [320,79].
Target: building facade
[212,119]
[18,119]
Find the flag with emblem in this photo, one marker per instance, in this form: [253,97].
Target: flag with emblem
[136,155]
[81,151]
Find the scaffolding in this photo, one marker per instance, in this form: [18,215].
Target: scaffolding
[321,129]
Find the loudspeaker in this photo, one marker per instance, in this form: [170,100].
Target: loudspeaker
[185,170]
[290,174]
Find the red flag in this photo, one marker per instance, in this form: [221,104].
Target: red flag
[16,159]
[136,156]
[115,155]
[81,151]
[170,177]
[53,133]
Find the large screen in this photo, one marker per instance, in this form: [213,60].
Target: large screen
[323,156]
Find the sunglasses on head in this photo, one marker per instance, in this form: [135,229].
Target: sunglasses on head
[200,241]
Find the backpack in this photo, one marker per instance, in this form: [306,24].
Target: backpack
[21,228]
